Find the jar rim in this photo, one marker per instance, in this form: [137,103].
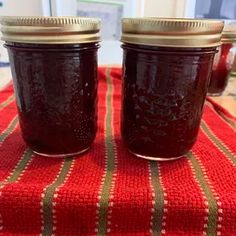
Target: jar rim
[50,30]
[172,32]
[229,33]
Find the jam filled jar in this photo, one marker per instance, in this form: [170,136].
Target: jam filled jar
[166,69]
[54,68]
[223,62]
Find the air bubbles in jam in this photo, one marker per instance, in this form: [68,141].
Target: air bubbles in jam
[56,95]
[164,90]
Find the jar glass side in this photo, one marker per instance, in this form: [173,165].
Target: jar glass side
[164,90]
[56,96]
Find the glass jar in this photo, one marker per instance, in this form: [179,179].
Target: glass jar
[166,69]
[223,62]
[54,68]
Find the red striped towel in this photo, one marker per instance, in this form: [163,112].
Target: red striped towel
[108,191]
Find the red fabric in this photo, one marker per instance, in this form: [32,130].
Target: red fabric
[7,90]
[220,109]
[107,191]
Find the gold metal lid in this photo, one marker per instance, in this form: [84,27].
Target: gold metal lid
[50,30]
[229,33]
[172,32]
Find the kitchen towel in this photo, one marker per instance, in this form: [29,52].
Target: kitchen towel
[107,191]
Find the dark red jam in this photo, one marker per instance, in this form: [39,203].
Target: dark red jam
[56,95]
[221,69]
[164,90]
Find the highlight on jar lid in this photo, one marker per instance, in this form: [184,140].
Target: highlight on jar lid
[229,33]
[172,32]
[50,30]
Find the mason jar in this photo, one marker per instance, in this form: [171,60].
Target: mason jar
[166,71]
[54,68]
[223,62]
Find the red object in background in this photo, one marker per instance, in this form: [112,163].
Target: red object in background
[221,68]
[56,94]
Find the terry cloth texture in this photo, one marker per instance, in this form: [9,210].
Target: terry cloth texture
[107,191]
